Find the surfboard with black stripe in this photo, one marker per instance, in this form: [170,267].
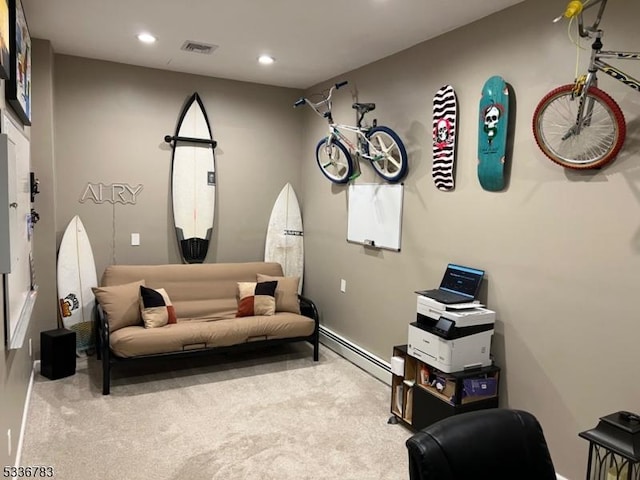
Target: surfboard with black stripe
[193,181]
[445,119]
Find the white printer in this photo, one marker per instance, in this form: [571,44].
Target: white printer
[451,338]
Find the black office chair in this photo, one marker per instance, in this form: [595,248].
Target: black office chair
[493,444]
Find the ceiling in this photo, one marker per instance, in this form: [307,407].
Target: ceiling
[311,40]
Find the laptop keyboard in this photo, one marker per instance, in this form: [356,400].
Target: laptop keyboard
[447,297]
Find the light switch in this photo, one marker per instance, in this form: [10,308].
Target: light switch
[135,239]
[343,285]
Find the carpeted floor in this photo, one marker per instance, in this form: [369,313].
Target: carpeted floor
[271,415]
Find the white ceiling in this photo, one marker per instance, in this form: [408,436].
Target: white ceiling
[312,40]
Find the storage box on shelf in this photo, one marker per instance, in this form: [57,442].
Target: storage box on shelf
[402,386]
[424,394]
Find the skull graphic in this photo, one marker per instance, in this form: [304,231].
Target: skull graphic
[491,117]
[443,130]
[442,133]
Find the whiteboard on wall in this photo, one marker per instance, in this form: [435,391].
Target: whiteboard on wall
[375,215]
[15,203]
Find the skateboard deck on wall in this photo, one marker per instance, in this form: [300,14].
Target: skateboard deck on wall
[445,113]
[492,134]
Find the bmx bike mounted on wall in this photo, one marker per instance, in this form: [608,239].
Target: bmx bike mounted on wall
[578,125]
[378,144]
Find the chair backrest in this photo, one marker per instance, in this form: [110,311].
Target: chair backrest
[493,444]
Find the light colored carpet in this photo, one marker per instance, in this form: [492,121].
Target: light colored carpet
[271,415]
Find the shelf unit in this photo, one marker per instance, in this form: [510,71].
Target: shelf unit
[423,394]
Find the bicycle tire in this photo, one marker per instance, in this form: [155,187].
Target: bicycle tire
[596,145]
[328,158]
[393,164]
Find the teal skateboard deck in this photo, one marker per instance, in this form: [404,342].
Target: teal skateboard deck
[492,134]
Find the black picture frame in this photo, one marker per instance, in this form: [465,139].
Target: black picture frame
[18,88]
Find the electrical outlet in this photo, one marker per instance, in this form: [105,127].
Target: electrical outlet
[135,239]
[9,442]
[343,285]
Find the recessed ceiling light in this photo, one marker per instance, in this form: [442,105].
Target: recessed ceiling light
[266,59]
[146,38]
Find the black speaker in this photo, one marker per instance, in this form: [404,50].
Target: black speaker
[57,353]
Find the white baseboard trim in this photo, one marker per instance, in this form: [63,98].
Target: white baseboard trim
[25,411]
[560,477]
[362,358]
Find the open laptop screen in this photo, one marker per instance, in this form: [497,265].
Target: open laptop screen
[464,280]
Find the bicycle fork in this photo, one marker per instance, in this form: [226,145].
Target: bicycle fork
[581,90]
[333,153]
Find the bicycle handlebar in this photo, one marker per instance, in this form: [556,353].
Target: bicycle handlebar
[326,101]
[575,8]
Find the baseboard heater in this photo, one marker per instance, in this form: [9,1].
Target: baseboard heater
[356,355]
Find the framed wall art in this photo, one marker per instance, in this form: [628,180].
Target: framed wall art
[4,39]
[18,88]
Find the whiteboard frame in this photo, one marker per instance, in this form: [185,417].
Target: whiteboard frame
[375,215]
[18,285]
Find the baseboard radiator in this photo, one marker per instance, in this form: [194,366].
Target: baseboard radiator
[362,358]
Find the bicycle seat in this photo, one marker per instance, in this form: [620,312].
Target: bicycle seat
[363,107]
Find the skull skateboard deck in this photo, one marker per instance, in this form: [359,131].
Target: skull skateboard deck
[444,137]
[492,134]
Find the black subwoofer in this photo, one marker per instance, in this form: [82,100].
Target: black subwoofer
[57,353]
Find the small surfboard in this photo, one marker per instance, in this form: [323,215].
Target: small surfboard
[284,242]
[76,275]
[193,181]
[492,133]
[445,112]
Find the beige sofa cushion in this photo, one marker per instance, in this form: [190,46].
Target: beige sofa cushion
[286,292]
[197,291]
[133,341]
[120,303]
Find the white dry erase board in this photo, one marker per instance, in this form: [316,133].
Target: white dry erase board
[375,215]
[15,241]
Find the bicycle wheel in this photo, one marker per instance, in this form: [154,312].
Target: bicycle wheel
[387,152]
[601,133]
[334,160]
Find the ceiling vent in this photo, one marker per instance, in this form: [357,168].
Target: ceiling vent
[198,47]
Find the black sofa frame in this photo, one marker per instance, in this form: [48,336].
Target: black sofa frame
[109,359]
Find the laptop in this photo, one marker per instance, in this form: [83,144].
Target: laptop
[459,285]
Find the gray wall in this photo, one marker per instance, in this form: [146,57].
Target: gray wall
[111,120]
[16,365]
[561,248]
[109,124]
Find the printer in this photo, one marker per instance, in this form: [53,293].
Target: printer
[451,337]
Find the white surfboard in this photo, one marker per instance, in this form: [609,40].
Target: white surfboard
[285,243]
[76,276]
[193,184]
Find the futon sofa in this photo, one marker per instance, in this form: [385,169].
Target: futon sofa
[157,311]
